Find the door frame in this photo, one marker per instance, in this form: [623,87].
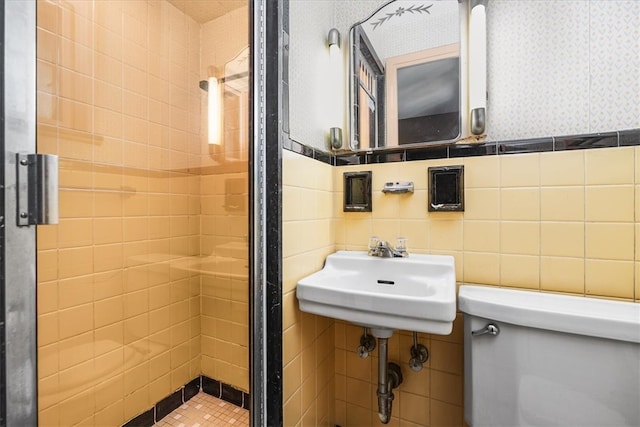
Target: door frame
[19,278]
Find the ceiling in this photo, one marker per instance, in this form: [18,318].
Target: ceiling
[205,10]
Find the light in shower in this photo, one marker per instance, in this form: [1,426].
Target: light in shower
[214,108]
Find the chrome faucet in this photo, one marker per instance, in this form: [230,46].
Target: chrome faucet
[383,250]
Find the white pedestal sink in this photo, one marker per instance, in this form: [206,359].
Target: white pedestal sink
[417,293]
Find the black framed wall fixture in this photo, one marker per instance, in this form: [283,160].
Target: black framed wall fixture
[446,189]
[357,192]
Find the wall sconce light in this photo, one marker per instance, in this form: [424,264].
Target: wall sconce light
[478,66]
[214,109]
[333,40]
[336,114]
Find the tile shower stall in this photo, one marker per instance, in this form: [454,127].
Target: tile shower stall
[143,284]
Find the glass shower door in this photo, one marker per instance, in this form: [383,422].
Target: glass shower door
[143,284]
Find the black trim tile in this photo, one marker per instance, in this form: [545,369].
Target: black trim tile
[629,137]
[287,144]
[168,404]
[143,420]
[191,389]
[389,157]
[323,157]
[471,150]
[429,153]
[305,150]
[245,401]
[351,159]
[211,387]
[536,145]
[582,142]
[232,395]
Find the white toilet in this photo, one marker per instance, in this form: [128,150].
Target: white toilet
[536,359]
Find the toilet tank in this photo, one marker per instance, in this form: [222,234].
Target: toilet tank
[557,360]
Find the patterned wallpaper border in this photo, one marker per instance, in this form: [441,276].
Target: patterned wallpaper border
[621,138]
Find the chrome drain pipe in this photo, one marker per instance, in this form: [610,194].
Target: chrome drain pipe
[389,377]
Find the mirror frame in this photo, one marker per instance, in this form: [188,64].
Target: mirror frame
[360,43]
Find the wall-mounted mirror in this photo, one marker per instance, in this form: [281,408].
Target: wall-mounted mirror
[408,81]
[405,66]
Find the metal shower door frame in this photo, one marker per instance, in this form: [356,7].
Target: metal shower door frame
[19,388]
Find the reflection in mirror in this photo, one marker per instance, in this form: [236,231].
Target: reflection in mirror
[423,96]
[408,75]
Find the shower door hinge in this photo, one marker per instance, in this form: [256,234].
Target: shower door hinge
[37,189]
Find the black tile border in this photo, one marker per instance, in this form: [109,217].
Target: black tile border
[226,392]
[192,388]
[583,142]
[537,145]
[232,395]
[146,419]
[620,138]
[473,150]
[211,387]
[629,137]
[168,404]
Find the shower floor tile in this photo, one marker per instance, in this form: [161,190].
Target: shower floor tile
[203,410]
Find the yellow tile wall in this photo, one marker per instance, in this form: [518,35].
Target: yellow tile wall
[119,279]
[308,340]
[224,207]
[225,290]
[559,222]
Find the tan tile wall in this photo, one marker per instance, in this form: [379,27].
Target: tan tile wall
[118,300]
[308,340]
[560,222]
[225,286]
[225,290]
[557,222]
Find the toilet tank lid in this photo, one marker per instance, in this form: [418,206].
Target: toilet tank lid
[618,320]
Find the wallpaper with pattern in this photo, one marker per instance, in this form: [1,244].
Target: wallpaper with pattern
[553,67]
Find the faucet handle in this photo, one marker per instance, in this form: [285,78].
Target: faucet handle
[401,246]
[373,243]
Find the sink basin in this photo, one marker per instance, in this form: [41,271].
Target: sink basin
[417,293]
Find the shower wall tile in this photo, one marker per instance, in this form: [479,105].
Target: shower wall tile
[223,186]
[116,280]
